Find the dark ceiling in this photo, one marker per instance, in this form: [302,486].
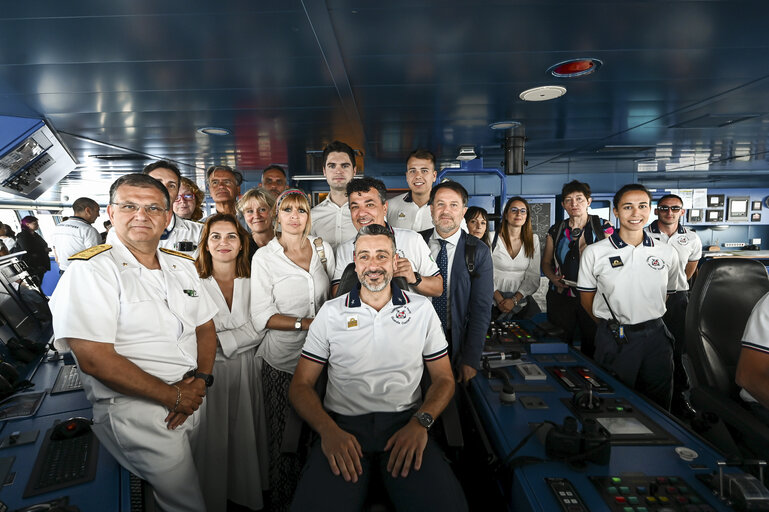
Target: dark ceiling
[286,77]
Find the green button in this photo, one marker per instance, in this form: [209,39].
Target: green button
[616,480]
[633,500]
[683,489]
[620,409]
[612,490]
[641,509]
[624,490]
[673,479]
[695,499]
[628,509]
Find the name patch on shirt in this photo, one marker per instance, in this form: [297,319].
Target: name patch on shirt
[615,261]
[401,315]
[352,322]
[655,262]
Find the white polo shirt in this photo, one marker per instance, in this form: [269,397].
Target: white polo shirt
[72,236]
[332,222]
[686,243]
[756,335]
[409,244]
[403,212]
[150,316]
[181,230]
[375,358]
[635,280]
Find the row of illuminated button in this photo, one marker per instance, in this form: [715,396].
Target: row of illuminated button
[642,489]
[654,500]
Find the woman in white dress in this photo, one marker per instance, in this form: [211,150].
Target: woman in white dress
[290,279]
[516,259]
[230,444]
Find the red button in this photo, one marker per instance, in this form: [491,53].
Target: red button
[620,499]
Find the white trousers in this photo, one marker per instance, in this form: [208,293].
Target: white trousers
[133,430]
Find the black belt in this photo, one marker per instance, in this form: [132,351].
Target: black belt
[657,322]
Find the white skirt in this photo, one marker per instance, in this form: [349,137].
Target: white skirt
[230,444]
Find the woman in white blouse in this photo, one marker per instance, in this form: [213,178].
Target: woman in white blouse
[516,262]
[230,445]
[290,280]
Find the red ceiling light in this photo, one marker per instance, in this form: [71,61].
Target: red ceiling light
[574,67]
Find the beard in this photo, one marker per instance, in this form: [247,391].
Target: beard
[375,288]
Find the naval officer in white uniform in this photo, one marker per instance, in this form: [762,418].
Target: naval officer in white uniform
[139,323]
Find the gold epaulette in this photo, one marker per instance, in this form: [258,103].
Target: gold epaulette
[176,253]
[90,252]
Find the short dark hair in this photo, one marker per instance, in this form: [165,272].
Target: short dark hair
[630,187]
[238,176]
[375,230]
[163,164]
[275,168]
[365,184]
[138,180]
[670,196]
[575,186]
[338,147]
[81,203]
[451,185]
[422,154]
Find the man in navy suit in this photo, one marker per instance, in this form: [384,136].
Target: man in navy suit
[464,307]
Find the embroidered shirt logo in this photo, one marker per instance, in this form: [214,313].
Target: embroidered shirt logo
[683,241]
[616,261]
[655,262]
[352,322]
[401,315]
[191,293]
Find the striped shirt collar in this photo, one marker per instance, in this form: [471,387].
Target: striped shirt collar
[618,243]
[399,298]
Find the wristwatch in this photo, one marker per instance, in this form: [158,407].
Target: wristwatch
[424,419]
[207,378]
[419,279]
[298,324]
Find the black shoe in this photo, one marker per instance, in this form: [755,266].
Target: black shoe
[682,408]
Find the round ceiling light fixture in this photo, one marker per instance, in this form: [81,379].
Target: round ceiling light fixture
[574,67]
[544,93]
[504,125]
[213,130]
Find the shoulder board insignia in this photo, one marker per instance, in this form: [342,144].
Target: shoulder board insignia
[90,252]
[176,253]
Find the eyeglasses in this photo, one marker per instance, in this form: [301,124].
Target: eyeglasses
[130,209]
[515,210]
[670,208]
[186,197]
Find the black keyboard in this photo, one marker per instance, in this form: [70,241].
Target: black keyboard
[63,463]
[68,379]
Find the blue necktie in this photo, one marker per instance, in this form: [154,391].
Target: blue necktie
[441,303]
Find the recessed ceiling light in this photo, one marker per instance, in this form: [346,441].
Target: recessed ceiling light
[574,67]
[504,125]
[213,130]
[544,93]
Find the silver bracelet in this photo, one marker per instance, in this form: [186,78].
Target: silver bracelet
[178,397]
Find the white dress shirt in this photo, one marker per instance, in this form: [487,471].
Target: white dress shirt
[332,222]
[280,286]
[519,274]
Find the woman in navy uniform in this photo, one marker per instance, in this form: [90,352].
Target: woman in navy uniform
[623,282]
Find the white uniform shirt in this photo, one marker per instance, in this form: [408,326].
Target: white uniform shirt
[150,316]
[332,222]
[409,244]
[451,248]
[234,328]
[181,230]
[756,335]
[519,274]
[375,358]
[686,243]
[403,212]
[280,286]
[72,236]
[635,280]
